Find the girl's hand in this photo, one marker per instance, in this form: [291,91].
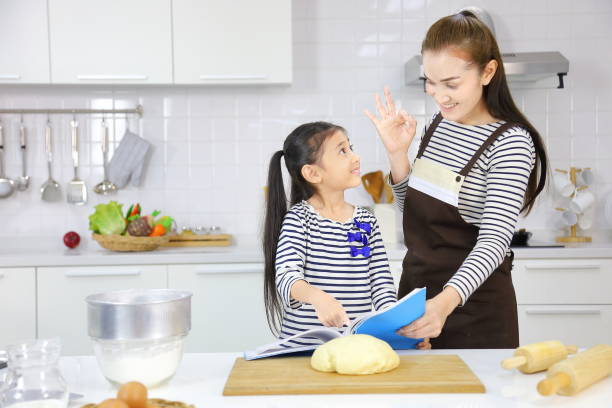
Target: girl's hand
[329,311]
[437,310]
[424,345]
[396,129]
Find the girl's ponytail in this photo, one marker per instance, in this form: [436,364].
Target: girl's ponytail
[276,208]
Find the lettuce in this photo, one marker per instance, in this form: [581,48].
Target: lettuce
[108,219]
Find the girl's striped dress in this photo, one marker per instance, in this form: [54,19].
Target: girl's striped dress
[346,260]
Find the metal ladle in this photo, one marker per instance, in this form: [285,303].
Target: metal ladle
[23,181]
[7,186]
[105,186]
[50,190]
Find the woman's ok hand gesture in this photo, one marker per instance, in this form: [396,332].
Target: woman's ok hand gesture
[395,128]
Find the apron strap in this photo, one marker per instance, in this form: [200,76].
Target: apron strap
[428,133]
[486,144]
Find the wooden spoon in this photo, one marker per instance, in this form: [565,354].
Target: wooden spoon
[374,184]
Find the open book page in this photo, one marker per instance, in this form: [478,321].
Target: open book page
[285,346]
[381,324]
[384,323]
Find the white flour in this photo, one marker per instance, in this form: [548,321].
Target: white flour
[149,367]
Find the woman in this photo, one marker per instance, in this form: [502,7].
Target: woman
[480,163]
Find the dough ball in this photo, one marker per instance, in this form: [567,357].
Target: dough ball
[355,354]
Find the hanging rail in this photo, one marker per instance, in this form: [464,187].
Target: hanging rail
[138,110]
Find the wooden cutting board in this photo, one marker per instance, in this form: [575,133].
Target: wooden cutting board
[198,240]
[427,373]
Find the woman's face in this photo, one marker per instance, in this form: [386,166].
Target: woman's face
[456,85]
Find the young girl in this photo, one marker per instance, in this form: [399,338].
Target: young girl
[479,164]
[325,262]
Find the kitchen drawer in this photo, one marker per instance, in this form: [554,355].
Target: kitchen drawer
[563,281]
[583,326]
[227,310]
[18,310]
[62,310]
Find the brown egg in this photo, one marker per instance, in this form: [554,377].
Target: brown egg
[113,403]
[134,394]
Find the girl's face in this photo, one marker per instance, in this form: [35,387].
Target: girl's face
[338,167]
[456,85]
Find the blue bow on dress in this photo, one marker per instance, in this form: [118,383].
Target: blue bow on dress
[363,225]
[365,251]
[357,236]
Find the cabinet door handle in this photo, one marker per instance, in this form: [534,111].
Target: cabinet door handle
[111,77]
[563,312]
[84,274]
[232,77]
[10,76]
[562,267]
[220,268]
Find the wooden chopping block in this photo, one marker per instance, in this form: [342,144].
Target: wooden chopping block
[189,239]
[538,356]
[571,376]
[422,373]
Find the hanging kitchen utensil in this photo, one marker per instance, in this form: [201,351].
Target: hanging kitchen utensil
[373,183]
[77,191]
[7,186]
[105,186]
[23,181]
[50,190]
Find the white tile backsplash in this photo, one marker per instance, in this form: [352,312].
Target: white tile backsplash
[211,145]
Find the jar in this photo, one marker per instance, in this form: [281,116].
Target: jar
[33,378]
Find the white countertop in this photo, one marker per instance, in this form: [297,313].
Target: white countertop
[201,377]
[37,252]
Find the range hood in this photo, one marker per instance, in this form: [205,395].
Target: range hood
[519,66]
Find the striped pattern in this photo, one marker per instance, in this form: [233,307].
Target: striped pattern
[491,196]
[316,249]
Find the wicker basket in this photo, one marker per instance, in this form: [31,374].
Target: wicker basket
[128,243]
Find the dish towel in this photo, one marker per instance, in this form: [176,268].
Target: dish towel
[129,160]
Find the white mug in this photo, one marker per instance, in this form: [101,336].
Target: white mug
[585,177]
[582,201]
[563,185]
[585,220]
[565,218]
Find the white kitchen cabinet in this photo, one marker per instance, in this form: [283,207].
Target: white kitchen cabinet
[227,309]
[232,42]
[582,325]
[24,46]
[62,310]
[110,41]
[18,300]
[564,299]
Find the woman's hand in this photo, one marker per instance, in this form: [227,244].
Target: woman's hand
[437,310]
[396,129]
[329,311]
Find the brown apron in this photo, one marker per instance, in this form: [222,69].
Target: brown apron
[438,241]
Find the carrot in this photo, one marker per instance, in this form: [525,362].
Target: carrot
[158,231]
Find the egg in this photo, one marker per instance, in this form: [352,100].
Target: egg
[134,394]
[113,403]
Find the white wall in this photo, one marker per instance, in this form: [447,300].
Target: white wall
[212,144]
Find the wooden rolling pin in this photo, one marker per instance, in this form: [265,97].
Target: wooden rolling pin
[538,356]
[571,376]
